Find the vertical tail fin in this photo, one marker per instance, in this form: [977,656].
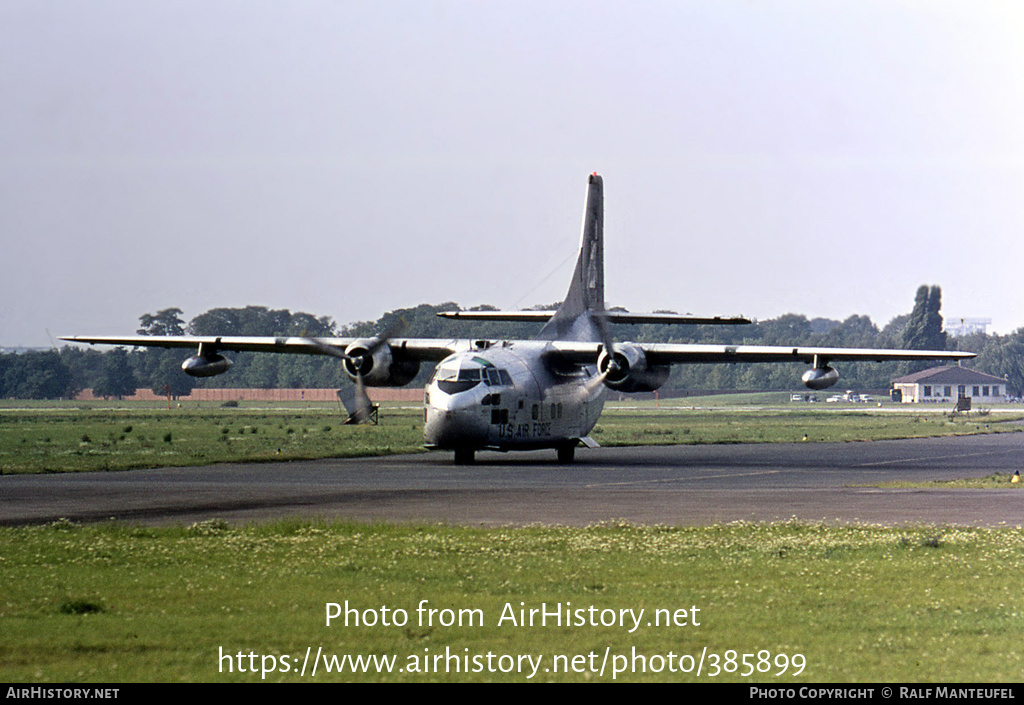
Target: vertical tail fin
[572,320]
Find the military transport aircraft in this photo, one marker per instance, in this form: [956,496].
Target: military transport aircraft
[524,394]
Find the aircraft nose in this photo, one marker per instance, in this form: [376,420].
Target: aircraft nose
[455,420]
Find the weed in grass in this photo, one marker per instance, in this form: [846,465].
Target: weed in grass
[210,527]
[80,607]
[417,634]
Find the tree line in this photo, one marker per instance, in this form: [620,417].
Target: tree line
[119,372]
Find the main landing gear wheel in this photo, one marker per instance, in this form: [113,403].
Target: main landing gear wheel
[566,453]
[464,456]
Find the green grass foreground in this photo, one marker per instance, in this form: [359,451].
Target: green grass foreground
[116,603]
[77,437]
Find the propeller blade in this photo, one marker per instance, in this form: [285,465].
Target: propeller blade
[357,403]
[361,407]
[328,349]
[592,385]
[362,402]
[395,327]
[601,320]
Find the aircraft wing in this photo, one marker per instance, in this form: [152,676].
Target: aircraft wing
[683,353]
[420,349]
[435,349]
[677,353]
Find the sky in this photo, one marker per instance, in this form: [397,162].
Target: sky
[347,158]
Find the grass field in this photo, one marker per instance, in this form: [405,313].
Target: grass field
[67,438]
[76,439]
[775,604]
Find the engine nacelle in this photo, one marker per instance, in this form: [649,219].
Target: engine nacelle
[820,377]
[378,368]
[627,370]
[206,365]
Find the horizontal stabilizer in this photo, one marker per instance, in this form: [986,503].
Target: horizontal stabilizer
[612,316]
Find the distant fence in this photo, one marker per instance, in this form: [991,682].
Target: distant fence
[376,394]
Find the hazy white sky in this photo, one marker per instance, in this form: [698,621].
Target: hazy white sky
[349,158]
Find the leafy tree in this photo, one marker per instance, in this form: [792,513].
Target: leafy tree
[160,371]
[892,335]
[790,329]
[934,335]
[923,330]
[251,320]
[307,325]
[36,375]
[84,364]
[823,325]
[116,376]
[165,322]
[257,371]
[854,332]
[1002,356]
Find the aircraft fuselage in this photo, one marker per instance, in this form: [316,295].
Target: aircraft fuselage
[509,396]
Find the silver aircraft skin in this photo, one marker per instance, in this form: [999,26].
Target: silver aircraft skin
[506,397]
[526,394]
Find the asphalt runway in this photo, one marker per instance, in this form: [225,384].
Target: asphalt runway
[676,485]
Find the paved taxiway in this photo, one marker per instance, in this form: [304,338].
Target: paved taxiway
[670,485]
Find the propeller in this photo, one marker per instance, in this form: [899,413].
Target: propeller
[358,404]
[593,384]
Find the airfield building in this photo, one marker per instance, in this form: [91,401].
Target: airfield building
[948,384]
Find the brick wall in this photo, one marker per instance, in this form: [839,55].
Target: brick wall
[376,394]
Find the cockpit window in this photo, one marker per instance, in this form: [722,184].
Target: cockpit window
[453,378]
[497,378]
[452,381]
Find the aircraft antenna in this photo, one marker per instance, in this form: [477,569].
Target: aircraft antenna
[547,276]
